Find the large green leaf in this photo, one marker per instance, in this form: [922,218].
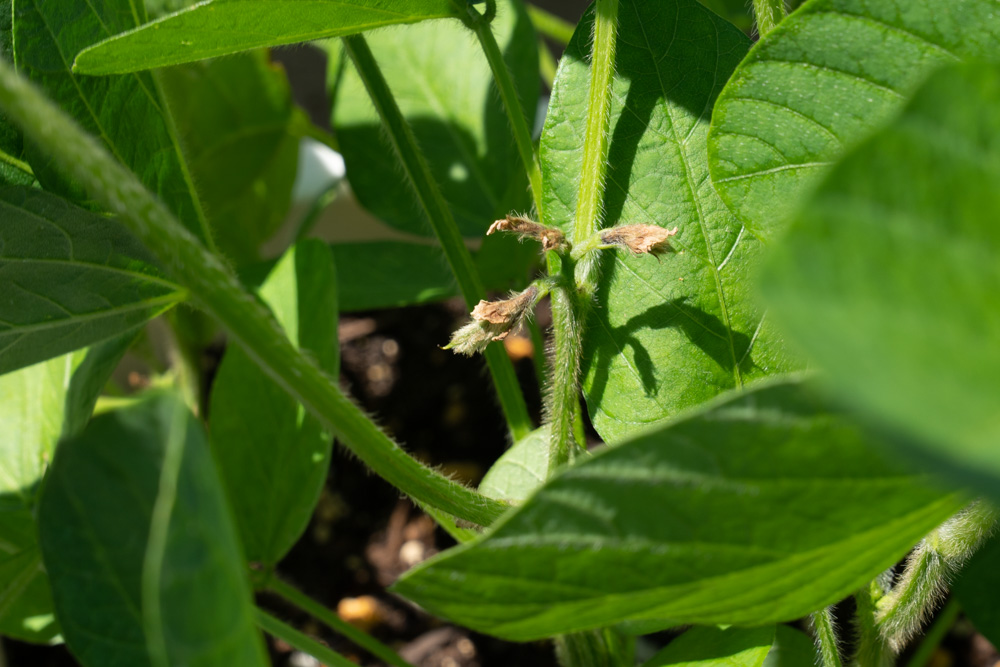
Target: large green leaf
[272,455]
[38,404]
[791,648]
[819,82]
[126,112]
[890,278]
[221,27]
[444,87]
[759,508]
[238,123]
[139,545]
[712,647]
[69,279]
[669,334]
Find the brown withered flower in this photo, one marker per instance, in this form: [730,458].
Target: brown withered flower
[492,320]
[640,239]
[550,237]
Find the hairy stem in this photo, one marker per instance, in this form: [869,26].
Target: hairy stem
[768,14]
[551,25]
[825,635]
[511,102]
[300,641]
[334,622]
[217,291]
[563,400]
[590,198]
[929,570]
[439,215]
[870,650]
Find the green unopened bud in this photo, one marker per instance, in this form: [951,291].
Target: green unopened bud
[493,320]
[640,239]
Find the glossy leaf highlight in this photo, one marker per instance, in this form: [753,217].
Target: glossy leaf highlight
[827,75]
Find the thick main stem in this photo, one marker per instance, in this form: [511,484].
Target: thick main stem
[439,215]
[929,570]
[216,290]
[768,14]
[511,103]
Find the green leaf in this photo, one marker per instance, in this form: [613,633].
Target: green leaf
[273,457]
[889,278]
[767,505]
[664,335]
[792,648]
[522,468]
[819,82]
[451,102]
[38,404]
[236,116]
[712,647]
[977,589]
[69,279]
[221,27]
[127,113]
[139,546]
[11,140]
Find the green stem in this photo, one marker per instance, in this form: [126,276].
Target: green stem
[316,209]
[334,622]
[551,25]
[511,102]
[301,641]
[929,570]
[768,14]
[825,635]
[579,278]
[17,164]
[215,288]
[935,635]
[870,649]
[590,199]
[546,64]
[439,215]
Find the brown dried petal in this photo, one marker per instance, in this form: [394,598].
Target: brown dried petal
[639,239]
[507,311]
[549,237]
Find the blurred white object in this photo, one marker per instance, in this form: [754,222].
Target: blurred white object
[320,168]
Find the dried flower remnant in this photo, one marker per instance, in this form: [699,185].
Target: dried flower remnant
[550,237]
[640,239]
[493,320]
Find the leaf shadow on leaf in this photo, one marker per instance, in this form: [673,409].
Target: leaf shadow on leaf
[630,126]
[677,313]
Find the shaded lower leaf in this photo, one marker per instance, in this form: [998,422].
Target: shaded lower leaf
[127,113]
[977,589]
[139,546]
[665,334]
[237,119]
[819,82]
[712,647]
[791,648]
[69,279]
[272,456]
[768,504]
[889,278]
[449,98]
[38,405]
